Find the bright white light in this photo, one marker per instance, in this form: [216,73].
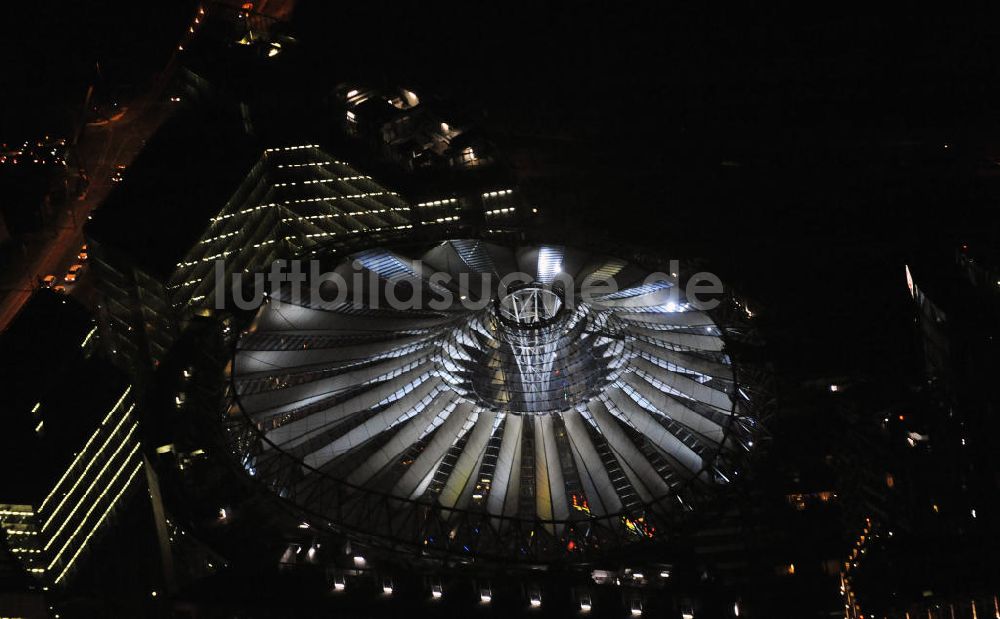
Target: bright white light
[359,561]
[549,263]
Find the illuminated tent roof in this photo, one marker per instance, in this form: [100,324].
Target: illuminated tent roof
[533,418]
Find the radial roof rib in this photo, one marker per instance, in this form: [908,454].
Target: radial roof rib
[602,270]
[502,257]
[550,263]
[642,420]
[269,360]
[393,268]
[686,360]
[473,254]
[597,484]
[411,428]
[444,258]
[272,341]
[410,484]
[690,318]
[672,339]
[550,488]
[646,481]
[672,408]
[409,432]
[629,280]
[299,431]
[295,396]
[467,463]
[506,483]
[654,294]
[400,410]
[291,317]
[467,493]
[698,391]
[253,382]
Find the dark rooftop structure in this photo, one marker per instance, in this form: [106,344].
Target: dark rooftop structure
[193,162]
[55,394]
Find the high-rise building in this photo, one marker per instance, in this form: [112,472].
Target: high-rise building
[926,530]
[71,444]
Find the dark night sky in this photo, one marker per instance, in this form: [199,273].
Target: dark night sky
[836,119]
[56,47]
[771,69]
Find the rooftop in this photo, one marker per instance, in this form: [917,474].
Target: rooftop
[55,394]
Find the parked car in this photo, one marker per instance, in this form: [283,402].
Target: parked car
[48,281]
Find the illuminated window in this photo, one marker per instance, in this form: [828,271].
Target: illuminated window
[785,570]
[469,156]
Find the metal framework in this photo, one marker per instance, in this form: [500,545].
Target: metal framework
[531,423]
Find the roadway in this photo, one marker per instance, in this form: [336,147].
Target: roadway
[101,149]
